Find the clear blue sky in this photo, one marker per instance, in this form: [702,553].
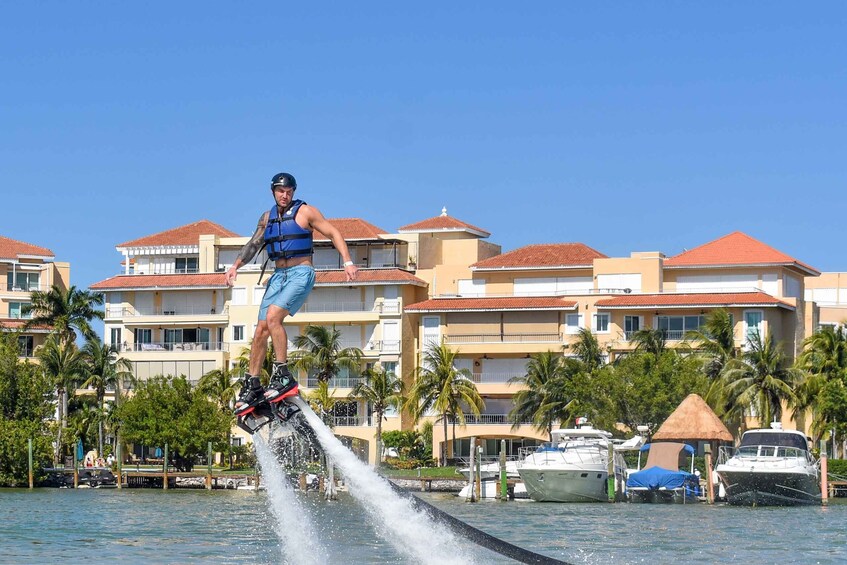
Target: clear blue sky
[635,126]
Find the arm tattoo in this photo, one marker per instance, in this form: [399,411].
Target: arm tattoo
[255,244]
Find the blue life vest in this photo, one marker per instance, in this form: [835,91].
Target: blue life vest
[284,238]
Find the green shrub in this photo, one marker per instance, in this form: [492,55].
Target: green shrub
[837,469]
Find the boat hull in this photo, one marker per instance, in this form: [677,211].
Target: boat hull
[773,488]
[552,485]
[662,496]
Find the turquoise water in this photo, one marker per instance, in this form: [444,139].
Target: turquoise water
[193,526]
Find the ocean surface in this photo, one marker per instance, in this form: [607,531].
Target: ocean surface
[197,526]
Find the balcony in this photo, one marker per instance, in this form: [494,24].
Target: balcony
[382,346]
[495,378]
[335,382]
[487,419]
[669,335]
[349,421]
[158,347]
[457,339]
[380,306]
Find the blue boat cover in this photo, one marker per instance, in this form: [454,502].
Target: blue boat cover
[655,478]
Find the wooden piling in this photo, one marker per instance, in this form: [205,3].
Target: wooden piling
[710,487]
[472,470]
[76,470]
[120,460]
[209,466]
[824,486]
[303,482]
[612,483]
[478,483]
[29,449]
[165,470]
[504,486]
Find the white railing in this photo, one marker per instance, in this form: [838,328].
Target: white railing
[180,347]
[390,345]
[592,291]
[349,420]
[495,378]
[6,287]
[483,419]
[317,307]
[335,382]
[504,338]
[123,312]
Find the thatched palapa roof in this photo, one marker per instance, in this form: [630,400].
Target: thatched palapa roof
[693,420]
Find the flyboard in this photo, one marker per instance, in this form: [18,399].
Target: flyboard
[290,412]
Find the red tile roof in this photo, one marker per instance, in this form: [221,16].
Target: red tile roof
[12,249]
[491,303]
[736,248]
[546,255]
[368,276]
[443,223]
[188,234]
[7,324]
[693,300]
[202,280]
[353,228]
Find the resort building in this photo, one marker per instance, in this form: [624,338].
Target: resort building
[829,293]
[25,267]
[440,280]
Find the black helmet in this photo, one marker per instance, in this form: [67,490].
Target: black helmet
[283,179]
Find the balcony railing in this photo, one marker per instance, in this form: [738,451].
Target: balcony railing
[336,307]
[504,338]
[349,420]
[495,378]
[6,287]
[335,382]
[669,335]
[121,312]
[385,346]
[483,419]
[179,347]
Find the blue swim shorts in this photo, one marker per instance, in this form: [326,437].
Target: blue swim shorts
[288,288]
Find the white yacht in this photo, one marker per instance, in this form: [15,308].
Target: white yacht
[770,467]
[491,470]
[573,468]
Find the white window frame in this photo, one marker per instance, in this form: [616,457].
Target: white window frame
[570,329]
[235,329]
[238,296]
[595,319]
[760,326]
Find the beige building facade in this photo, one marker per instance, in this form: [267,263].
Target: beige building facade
[24,268]
[441,280]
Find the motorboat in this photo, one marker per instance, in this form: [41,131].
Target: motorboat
[491,470]
[770,467]
[574,467]
[662,479]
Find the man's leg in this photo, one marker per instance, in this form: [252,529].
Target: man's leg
[252,392]
[282,384]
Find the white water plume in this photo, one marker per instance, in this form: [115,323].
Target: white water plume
[412,532]
[300,545]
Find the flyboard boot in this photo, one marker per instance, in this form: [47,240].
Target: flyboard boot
[251,395]
[271,404]
[282,384]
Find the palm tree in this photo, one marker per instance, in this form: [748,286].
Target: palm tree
[64,364]
[716,341]
[322,401]
[103,367]
[824,363]
[760,380]
[650,341]
[545,398]
[222,385]
[442,388]
[587,350]
[381,389]
[320,352]
[67,312]
[242,362]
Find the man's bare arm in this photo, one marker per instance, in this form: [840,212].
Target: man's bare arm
[321,224]
[249,250]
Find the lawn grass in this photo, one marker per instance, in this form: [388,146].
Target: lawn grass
[429,472]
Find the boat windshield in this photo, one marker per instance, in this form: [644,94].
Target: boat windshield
[774,439]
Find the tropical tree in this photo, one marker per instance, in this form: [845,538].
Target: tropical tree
[545,397]
[103,367]
[66,311]
[63,362]
[242,362]
[587,350]
[715,341]
[222,386]
[322,401]
[761,380]
[824,365]
[321,353]
[443,389]
[652,341]
[382,390]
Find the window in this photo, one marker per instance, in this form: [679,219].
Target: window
[115,336]
[573,322]
[258,294]
[143,335]
[22,281]
[753,324]
[16,310]
[632,324]
[471,287]
[25,345]
[601,323]
[239,296]
[237,333]
[675,327]
[186,265]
